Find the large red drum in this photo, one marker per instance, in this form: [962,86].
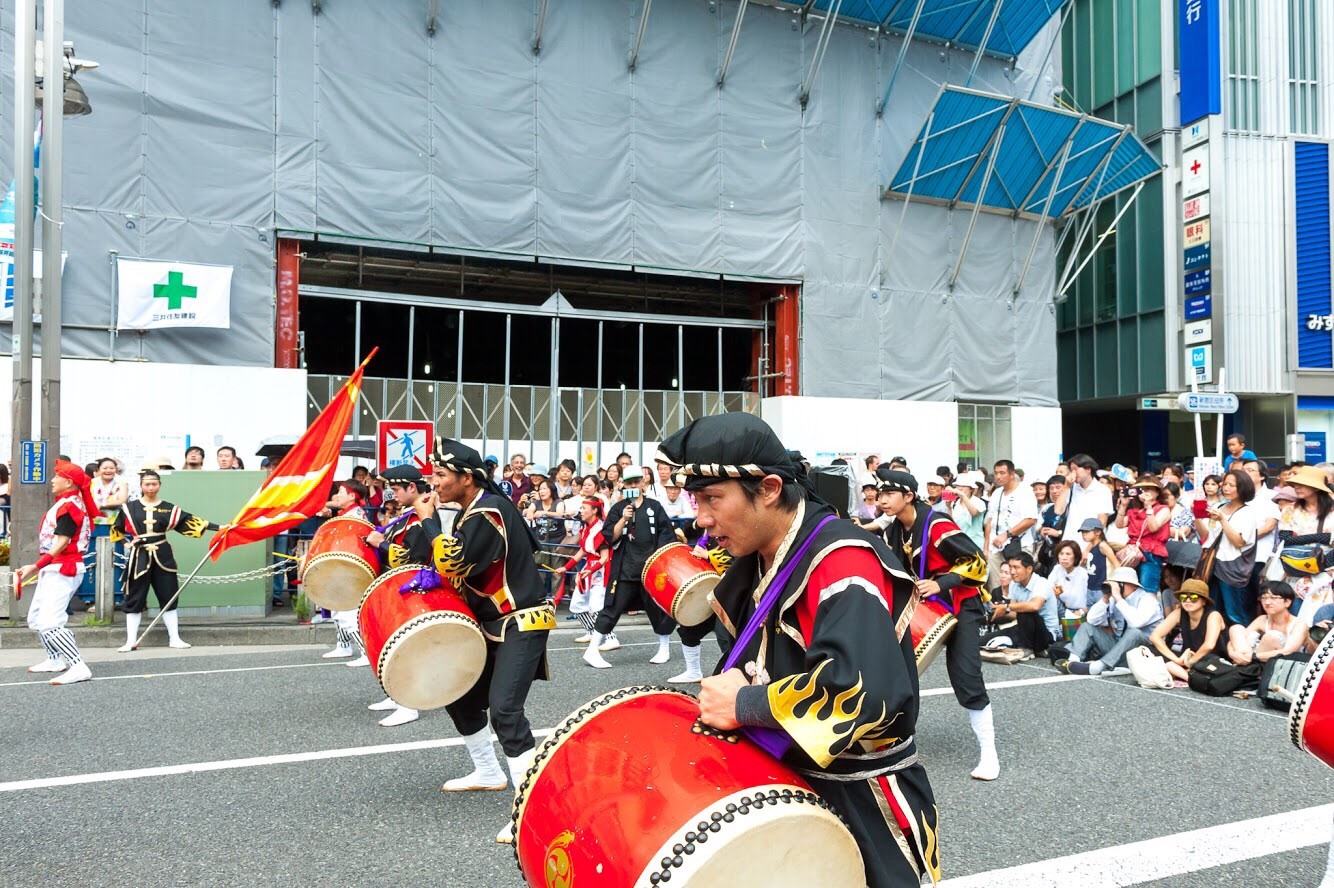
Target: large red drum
[632,791]
[1311,719]
[340,564]
[680,582]
[427,648]
[932,623]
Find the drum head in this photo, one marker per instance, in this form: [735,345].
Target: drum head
[433,660]
[337,581]
[773,846]
[692,603]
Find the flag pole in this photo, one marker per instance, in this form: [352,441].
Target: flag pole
[162,610]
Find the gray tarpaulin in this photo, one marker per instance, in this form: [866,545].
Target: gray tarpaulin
[216,124]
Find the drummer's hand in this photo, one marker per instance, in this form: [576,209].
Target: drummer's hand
[21,575]
[928,587]
[375,538]
[717,699]
[426,505]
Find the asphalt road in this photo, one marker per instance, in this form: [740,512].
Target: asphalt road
[1091,768]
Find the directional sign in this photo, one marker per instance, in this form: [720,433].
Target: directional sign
[32,464]
[1198,257]
[1208,402]
[404,442]
[1199,307]
[1158,404]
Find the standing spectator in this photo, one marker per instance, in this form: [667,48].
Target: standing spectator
[676,503]
[623,462]
[194,459]
[1203,630]
[1182,524]
[1011,515]
[519,481]
[944,473]
[1051,525]
[1236,450]
[1212,490]
[1128,611]
[226,457]
[866,511]
[1266,528]
[564,484]
[934,488]
[544,515]
[1099,556]
[868,477]
[1147,523]
[898,463]
[613,477]
[1040,494]
[110,492]
[1310,520]
[1231,526]
[1084,497]
[967,509]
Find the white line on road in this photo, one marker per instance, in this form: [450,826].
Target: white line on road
[1166,856]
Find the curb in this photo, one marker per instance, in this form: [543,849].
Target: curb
[200,635]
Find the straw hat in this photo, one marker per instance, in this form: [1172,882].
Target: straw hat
[1310,476]
[1148,481]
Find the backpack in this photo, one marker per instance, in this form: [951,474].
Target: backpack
[1285,672]
[1217,677]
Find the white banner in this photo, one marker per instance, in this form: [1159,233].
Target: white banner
[153,294]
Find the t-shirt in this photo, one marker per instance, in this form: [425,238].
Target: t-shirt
[1246,456]
[1039,586]
[1008,509]
[1085,502]
[1265,510]
[972,525]
[1074,585]
[1243,522]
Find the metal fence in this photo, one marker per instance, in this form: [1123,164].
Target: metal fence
[531,417]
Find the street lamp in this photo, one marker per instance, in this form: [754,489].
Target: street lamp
[56,71]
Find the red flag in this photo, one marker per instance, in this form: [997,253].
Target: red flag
[299,486]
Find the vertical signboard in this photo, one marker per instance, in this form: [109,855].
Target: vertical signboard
[1201,59]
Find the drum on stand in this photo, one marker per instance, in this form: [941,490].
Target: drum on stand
[932,623]
[680,582]
[339,564]
[1311,719]
[632,790]
[426,648]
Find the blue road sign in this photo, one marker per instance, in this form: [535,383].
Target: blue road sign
[32,468]
[1199,307]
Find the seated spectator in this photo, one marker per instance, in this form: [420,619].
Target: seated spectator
[1128,611]
[1275,633]
[1098,553]
[1320,626]
[1069,580]
[1027,621]
[1202,626]
[866,512]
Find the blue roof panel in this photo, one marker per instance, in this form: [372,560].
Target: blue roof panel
[1040,154]
[960,22]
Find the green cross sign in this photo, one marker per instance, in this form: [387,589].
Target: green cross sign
[174,290]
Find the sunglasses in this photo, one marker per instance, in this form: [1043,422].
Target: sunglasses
[1191,597]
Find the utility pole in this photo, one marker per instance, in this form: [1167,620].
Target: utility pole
[27,502]
[53,126]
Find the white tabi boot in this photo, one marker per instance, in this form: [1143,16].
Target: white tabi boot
[385,705]
[988,767]
[593,656]
[131,632]
[692,673]
[172,621]
[487,775]
[401,715]
[664,651]
[519,766]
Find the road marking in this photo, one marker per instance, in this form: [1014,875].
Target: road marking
[234,764]
[1161,858]
[15,684]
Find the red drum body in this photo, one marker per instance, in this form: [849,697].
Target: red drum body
[932,623]
[1311,719]
[632,791]
[680,582]
[340,564]
[427,648]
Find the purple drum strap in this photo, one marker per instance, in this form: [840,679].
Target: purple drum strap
[773,741]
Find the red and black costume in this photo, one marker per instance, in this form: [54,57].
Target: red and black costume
[832,666]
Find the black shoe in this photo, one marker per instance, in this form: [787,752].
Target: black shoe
[1078,667]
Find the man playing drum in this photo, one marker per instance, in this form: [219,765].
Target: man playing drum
[488,556]
[825,662]
[953,571]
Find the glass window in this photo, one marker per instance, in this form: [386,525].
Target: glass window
[1124,37]
[1149,108]
[1105,261]
[1152,355]
[1086,368]
[1149,40]
[1104,342]
[1081,21]
[1103,49]
[1303,88]
[1243,92]
[1128,355]
[1149,230]
[1067,365]
[1127,258]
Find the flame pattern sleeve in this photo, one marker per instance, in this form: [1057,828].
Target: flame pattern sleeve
[192,525]
[967,565]
[475,544]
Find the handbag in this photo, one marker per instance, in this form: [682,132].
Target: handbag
[1204,570]
[1274,571]
[1131,555]
[1282,672]
[1149,669]
[1216,677]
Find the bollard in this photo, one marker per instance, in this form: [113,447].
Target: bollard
[104,601]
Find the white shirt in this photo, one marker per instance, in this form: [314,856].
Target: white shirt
[1243,522]
[1074,586]
[1039,587]
[1265,510]
[679,509]
[1085,502]
[1008,509]
[1140,610]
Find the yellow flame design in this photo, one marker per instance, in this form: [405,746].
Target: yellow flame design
[195,527]
[932,846]
[825,727]
[720,559]
[448,554]
[975,569]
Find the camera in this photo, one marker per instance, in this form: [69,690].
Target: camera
[631,493]
[1132,491]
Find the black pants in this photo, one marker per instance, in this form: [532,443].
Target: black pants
[963,658]
[1029,631]
[893,857]
[164,583]
[691,636]
[628,595]
[511,667]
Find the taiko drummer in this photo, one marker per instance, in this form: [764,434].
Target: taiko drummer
[824,659]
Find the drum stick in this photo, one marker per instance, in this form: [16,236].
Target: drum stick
[162,610]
